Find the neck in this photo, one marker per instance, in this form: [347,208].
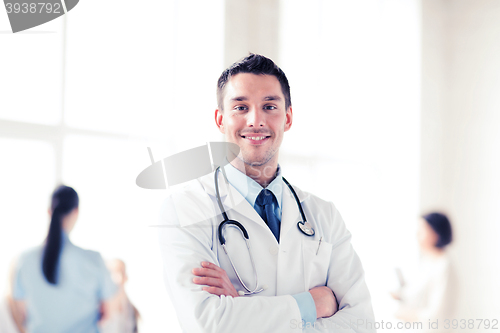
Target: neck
[433,252]
[262,174]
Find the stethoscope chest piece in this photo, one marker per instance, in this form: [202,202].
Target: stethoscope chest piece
[306,228]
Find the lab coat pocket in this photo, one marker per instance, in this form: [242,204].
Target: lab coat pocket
[316,258]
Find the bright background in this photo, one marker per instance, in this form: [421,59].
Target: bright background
[396,112]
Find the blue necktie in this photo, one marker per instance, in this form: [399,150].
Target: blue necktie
[266,201]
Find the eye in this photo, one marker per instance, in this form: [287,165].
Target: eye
[270,107]
[240,108]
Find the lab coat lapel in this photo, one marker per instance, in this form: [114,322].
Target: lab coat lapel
[290,255]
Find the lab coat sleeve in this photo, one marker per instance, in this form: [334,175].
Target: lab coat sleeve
[183,248]
[346,279]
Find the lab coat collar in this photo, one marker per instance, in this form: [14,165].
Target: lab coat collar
[234,202]
[209,186]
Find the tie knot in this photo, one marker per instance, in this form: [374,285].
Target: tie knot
[265,197]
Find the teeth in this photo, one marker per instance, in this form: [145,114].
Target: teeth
[256,137]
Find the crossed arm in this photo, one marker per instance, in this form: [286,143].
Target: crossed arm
[217,283]
[218,308]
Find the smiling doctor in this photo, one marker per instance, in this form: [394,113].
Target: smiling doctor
[243,250]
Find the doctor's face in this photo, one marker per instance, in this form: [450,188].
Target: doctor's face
[254,117]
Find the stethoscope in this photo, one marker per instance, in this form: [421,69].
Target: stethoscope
[305,227]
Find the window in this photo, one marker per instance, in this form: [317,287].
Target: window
[83,96]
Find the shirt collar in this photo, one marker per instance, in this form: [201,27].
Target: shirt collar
[249,188]
[65,237]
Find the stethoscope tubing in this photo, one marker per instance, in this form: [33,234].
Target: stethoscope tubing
[236,224]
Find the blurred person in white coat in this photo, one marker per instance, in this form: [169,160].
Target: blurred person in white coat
[429,295]
[295,275]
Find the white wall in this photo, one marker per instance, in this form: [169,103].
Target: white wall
[251,26]
[461,140]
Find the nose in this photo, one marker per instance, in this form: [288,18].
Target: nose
[256,117]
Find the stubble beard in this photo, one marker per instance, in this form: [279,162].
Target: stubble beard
[256,163]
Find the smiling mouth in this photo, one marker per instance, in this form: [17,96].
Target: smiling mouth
[255,138]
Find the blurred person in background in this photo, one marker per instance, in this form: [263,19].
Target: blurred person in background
[7,324]
[9,319]
[430,293]
[124,317]
[59,287]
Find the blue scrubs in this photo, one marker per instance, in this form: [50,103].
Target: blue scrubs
[73,304]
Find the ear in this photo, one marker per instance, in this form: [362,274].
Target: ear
[288,118]
[219,120]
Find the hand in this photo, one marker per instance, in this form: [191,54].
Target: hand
[215,278]
[325,301]
[396,295]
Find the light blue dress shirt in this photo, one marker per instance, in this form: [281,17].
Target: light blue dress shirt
[73,304]
[250,189]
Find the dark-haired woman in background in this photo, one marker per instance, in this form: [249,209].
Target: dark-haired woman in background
[430,293]
[59,287]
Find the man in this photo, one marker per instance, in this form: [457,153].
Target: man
[293,273]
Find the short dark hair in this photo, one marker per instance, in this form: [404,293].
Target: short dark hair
[254,64]
[441,225]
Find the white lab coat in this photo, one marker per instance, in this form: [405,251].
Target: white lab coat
[430,294]
[188,235]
